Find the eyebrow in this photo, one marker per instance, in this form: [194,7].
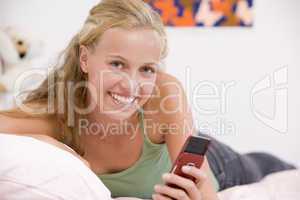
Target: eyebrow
[124,59]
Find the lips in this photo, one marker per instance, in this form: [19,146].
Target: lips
[121,99]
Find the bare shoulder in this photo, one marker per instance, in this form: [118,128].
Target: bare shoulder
[167,82]
[168,97]
[45,130]
[168,109]
[25,126]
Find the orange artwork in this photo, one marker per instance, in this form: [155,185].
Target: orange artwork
[204,12]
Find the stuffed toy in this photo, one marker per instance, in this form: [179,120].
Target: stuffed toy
[16,52]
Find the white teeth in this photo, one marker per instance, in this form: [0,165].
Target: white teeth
[122,99]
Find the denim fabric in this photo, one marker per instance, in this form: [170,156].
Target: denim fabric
[232,169]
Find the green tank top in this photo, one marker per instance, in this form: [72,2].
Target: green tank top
[139,179]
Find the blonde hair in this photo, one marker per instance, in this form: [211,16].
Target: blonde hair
[127,14]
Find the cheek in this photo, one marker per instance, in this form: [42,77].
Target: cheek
[103,80]
[96,69]
[147,88]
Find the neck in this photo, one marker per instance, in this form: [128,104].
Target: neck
[106,134]
[97,128]
[100,125]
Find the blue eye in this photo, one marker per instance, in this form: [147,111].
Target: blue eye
[117,64]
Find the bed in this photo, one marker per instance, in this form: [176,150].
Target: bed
[32,169]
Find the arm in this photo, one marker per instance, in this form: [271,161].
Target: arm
[175,100]
[34,126]
[44,130]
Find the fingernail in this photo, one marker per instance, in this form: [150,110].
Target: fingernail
[166,176]
[186,169]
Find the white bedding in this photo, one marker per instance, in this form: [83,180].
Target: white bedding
[278,186]
[31,169]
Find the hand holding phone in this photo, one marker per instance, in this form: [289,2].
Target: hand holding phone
[191,154]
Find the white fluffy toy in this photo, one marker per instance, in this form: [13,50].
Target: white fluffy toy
[16,53]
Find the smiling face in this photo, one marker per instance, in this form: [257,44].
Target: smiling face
[122,70]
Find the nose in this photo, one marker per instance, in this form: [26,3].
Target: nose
[22,55]
[129,85]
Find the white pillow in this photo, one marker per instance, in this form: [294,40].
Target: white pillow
[35,170]
[283,185]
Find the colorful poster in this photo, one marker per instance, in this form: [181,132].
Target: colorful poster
[208,13]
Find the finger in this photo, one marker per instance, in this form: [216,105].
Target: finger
[171,192]
[198,174]
[160,197]
[184,183]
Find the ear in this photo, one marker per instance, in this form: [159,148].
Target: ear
[83,58]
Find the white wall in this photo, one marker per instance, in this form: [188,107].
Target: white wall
[245,56]
[241,56]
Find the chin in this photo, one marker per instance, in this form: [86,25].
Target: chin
[120,115]
[117,112]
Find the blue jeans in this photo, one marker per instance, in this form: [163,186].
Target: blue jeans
[232,168]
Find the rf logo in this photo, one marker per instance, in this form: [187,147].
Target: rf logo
[275,84]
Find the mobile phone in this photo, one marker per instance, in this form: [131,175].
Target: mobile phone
[192,154]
